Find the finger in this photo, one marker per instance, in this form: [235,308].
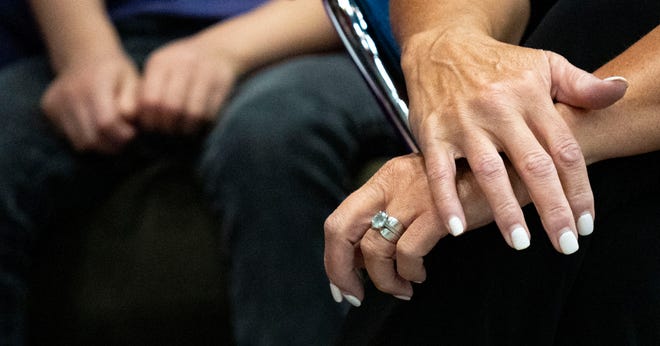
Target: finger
[127,97]
[491,175]
[538,172]
[415,243]
[71,128]
[578,88]
[571,167]
[197,105]
[380,254]
[379,260]
[113,131]
[84,137]
[152,91]
[218,98]
[409,199]
[123,133]
[344,229]
[174,102]
[441,174]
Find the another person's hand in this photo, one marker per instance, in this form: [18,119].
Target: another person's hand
[401,189]
[474,97]
[184,85]
[92,100]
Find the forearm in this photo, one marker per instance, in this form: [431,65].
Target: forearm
[274,31]
[632,125]
[75,30]
[503,20]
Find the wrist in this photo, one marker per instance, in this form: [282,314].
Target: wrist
[225,48]
[85,52]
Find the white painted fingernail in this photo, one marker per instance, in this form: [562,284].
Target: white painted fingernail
[568,242]
[336,293]
[585,224]
[616,79]
[519,238]
[456,226]
[406,298]
[352,300]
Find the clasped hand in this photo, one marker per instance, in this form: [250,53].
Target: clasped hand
[477,98]
[101,101]
[493,105]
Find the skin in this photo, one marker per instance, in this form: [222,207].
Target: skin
[404,186]
[100,101]
[475,95]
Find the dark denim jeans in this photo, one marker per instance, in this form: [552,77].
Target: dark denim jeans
[284,153]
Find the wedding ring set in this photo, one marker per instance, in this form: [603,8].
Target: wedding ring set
[388,226]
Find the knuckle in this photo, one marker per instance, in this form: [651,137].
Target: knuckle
[583,194]
[150,102]
[440,174]
[538,164]
[332,225]
[557,213]
[369,247]
[377,249]
[490,167]
[495,97]
[491,94]
[581,200]
[169,107]
[568,153]
[407,250]
[105,125]
[508,212]
[416,273]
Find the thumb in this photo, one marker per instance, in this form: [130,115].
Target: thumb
[127,97]
[578,88]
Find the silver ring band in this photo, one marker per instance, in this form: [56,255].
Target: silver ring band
[388,226]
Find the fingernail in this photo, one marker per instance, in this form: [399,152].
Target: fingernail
[406,298]
[519,238]
[352,300]
[568,242]
[616,79]
[585,224]
[455,226]
[336,293]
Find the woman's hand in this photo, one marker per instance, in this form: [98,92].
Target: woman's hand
[401,189]
[474,97]
[92,100]
[184,86]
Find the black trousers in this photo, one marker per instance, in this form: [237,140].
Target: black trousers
[480,292]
